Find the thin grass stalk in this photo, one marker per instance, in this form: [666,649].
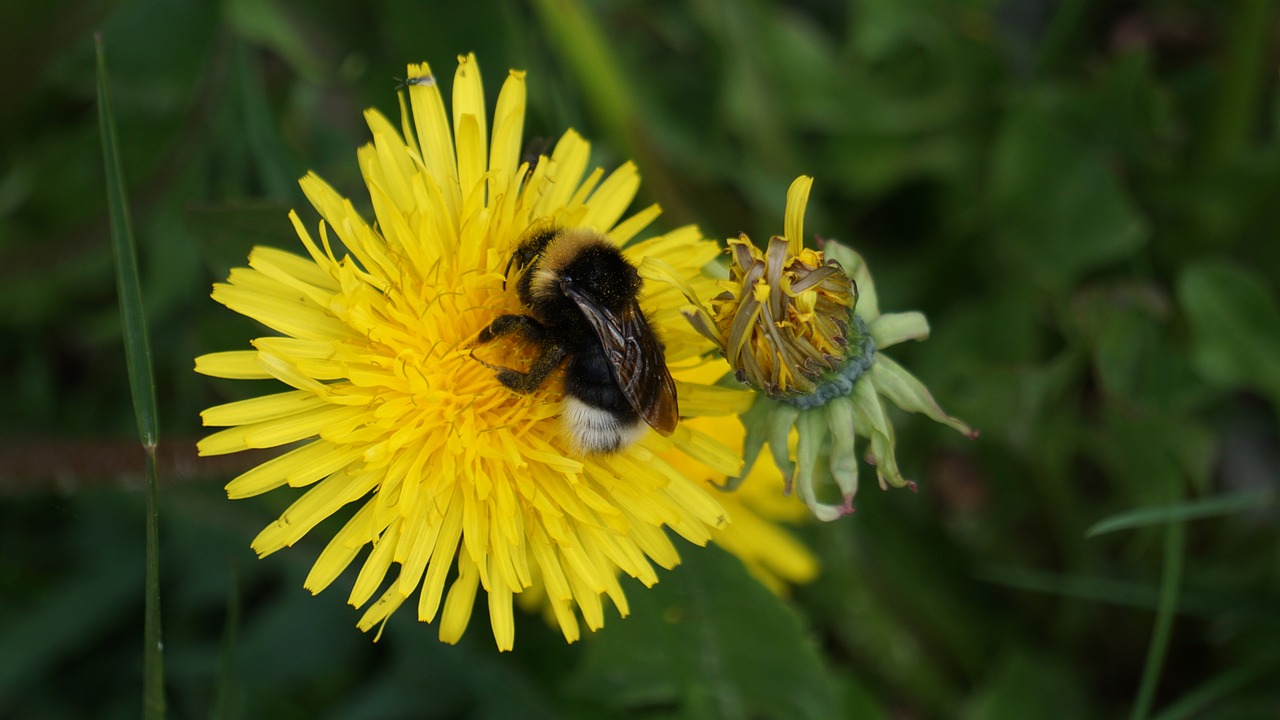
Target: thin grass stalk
[224,703]
[141,384]
[1166,609]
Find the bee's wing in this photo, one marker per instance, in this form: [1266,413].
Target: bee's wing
[636,358]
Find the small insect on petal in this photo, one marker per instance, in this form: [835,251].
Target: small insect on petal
[424,80]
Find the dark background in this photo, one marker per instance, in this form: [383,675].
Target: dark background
[1083,196]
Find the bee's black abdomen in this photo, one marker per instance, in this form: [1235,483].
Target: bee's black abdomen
[590,379]
[597,415]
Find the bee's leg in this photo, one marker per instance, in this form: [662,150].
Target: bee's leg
[506,324]
[526,382]
[550,357]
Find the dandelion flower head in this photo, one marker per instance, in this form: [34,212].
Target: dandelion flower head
[457,482]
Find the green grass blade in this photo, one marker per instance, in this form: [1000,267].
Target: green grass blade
[136,345]
[1205,603]
[141,383]
[612,96]
[589,53]
[1166,608]
[153,647]
[270,155]
[1125,593]
[1181,512]
[1196,701]
[224,702]
[1243,83]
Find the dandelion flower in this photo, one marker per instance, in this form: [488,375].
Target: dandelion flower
[458,482]
[803,327]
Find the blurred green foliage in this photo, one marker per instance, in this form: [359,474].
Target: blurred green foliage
[1082,196]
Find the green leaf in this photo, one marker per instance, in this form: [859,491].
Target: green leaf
[1122,324]
[694,642]
[1060,210]
[1235,326]
[1148,451]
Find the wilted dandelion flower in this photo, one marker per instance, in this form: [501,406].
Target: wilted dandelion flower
[803,327]
[460,483]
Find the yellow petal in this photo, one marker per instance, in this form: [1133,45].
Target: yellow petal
[317,504]
[613,197]
[470,123]
[375,566]
[508,129]
[299,467]
[568,162]
[232,364]
[793,219]
[457,608]
[341,550]
[260,409]
[504,625]
[434,137]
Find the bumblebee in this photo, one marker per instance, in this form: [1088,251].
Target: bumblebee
[583,311]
